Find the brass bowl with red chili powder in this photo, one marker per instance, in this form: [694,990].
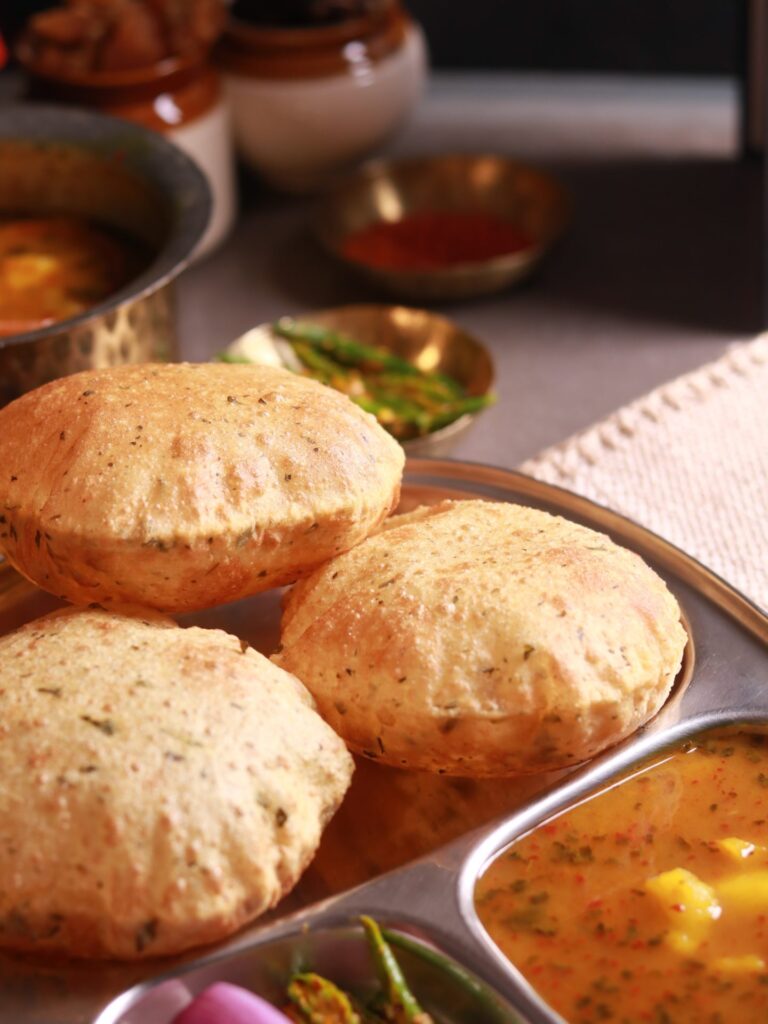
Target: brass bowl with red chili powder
[447,227]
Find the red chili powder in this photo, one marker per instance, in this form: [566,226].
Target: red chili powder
[432,239]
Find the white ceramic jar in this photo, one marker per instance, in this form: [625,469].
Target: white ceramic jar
[307,102]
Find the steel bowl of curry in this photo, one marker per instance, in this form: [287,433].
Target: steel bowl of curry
[97,216]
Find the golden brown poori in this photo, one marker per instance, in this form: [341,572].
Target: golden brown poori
[179,487]
[483,639]
[164,786]
[160,788]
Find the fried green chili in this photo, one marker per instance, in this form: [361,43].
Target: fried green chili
[320,1001]
[407,400]
[405,1008]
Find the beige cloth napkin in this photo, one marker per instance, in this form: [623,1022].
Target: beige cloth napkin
[689,461]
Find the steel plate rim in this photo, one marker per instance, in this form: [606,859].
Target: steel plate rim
[736,604]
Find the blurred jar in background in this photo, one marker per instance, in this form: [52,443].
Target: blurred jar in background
[315,85]
[148,62]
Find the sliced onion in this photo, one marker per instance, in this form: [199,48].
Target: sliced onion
[223,1003]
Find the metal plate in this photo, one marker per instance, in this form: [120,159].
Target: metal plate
[391,817]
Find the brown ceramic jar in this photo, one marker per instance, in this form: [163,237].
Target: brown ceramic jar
[181,98]
[308,101]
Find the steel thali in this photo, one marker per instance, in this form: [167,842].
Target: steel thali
[408,847]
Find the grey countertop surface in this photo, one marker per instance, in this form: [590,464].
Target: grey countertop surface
[657,274]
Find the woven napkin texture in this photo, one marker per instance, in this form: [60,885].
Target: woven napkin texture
[688,461]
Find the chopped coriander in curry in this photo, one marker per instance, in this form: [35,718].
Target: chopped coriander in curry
[649,901]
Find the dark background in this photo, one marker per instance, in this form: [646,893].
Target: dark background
[668,36]
[642,36]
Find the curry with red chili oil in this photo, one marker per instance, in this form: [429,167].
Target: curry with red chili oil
[649,901]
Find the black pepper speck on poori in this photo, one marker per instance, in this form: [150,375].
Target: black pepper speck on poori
[178,487]
[480,638]
[161,787]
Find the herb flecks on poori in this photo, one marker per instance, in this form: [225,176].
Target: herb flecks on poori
[161,787]
[648,902]
[483,638]
[184,486]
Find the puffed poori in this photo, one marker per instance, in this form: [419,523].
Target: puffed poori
[482,639]
[179,487]
[160,786]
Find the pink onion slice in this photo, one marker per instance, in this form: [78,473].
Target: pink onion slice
[223,1003]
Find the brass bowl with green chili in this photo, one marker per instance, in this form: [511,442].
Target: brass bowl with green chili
[422,376]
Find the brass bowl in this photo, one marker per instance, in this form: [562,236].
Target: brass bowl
[429,341]
[61,160]
[383,190]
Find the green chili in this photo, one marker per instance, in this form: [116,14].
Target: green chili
[318,362]
[405,1008]
[474,989]
[342,347]
[231,357]
[406,410]
[474,403]
[320,1001]
[432,386]
[408,401]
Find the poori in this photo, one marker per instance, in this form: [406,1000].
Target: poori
[483,639]
[178,487]
[160,787]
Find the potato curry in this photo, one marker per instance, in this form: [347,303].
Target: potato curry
[55,267]
[648,901]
